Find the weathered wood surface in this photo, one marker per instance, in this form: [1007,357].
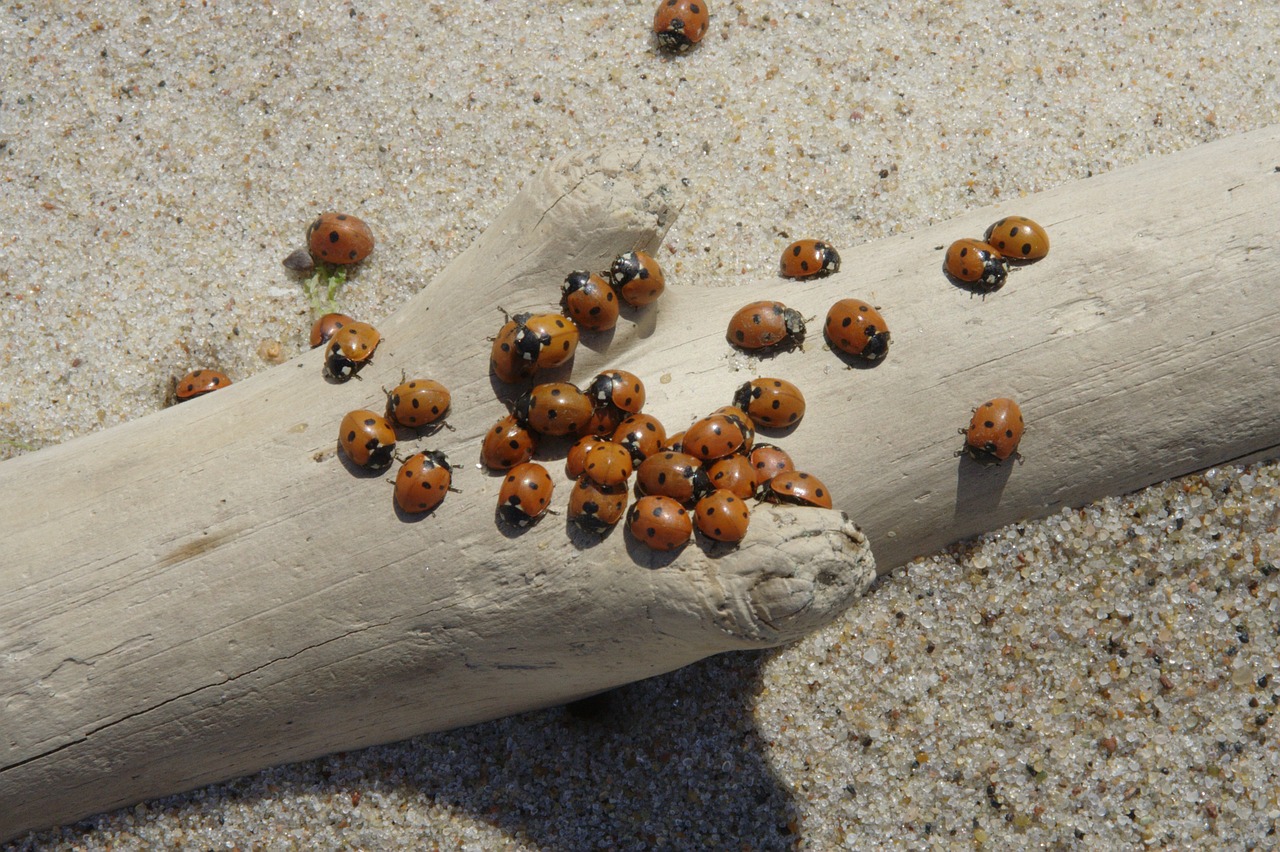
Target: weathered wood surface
[209,590]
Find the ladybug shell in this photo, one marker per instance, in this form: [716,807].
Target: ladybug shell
[766,325]
[995,430]
[595,507]
[576,461]
[735,474]
[608,464]
[680,24]
[856,328]
[505,360]
[642,434]
[713,437]
[768,461]
[1018,237]
[775,403]
[546,339]
[660,522]
[417,402]
[975,262]
[339,238]
[803,489]
[507,444]
[325,327]
[618,388]
[589,301]
[677,475]
[367,439]
[349,349]
[638,277]
[199,382]
[554,408]
[723,516]
[423,482]
[742,420]
[525,494]
[809,259]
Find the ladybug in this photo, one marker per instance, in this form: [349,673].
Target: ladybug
[680,24]
[713,437]
[638,277]
[350,348]
[775,403]
[742,420]
[766,326]
[423,481]
[802,489]
[199,382]
[608,464]
[618,388]
[326,326]
[659,522]
[723,516]
[507,444]
[978,263]
[339,238]
[768,461]
[367,439]
[596,507]
[525,494]
[547,340]
[673,474]
[589,301]
[856,328]
[642,434]
[576,461]
[1018,238]
[735,474]
[505,360]
[417,402]
[994,431]
[673,442]
[809,259]
[554,408]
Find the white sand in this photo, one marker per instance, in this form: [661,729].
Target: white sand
[1105,678]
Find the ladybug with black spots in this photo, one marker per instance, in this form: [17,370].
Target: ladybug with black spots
[1018,238]
[507,444]
[547,340]
[856,328]
[350,349]
[198,383]
[367,439]
[417,402]
[977,263]
[423,482]
[722,516]
[325,327]
[809,259]
[766,327]
[506,361]
[994,431]
[642,434]
[673,474]
[589,301]
[801,489]
[773,403]
[525,494]
[638,277]
[659,522]
[553,408]
[339,238]
[680,24]
[596,507]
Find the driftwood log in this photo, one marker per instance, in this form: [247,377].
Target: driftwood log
[210,590]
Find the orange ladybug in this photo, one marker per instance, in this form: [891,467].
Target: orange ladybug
[977,263]
[809,259]
[576,461]
[596,507]
[1018,237]
[776,403]
[506,361]
[507,444]
[423,481]
[525,494]
[553,408]
[766,326]
[642,434]
[680,24]
[339,238]
[659,522]
[734,473]
[545,339]
[417,402]
[742,420]
[350,348]
[856,328]
[367,439]
[994,431]
[723,516]
[608,464]
[638,277]
[713,437]
[589,301]
[618,388]
[673,474]
[769,461]
[199,382]
[325,327]
[802,489]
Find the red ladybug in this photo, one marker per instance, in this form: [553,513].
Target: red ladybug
[713,437]
[367,439]
[769,461]
[809,259]
[802,489]
[1018,237]
[506,361]
[734,473]
[507,444]
[423,481]
[608,464]
[417,402]
[638,277]
[659,522]
[199,382]
[350,348]
[325,327]
[723,516]
[680,24]
[547,340]
[576,461]
[525,494]
[977,263]
[554,408]
[677,475]
[775,403]
[339,238]
[856,328]
[766,326]
[994,431]
[618,388]
[589,301]
[595,507]
[742,420]
[642,434]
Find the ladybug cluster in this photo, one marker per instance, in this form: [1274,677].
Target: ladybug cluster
[852,326]
[984,264]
